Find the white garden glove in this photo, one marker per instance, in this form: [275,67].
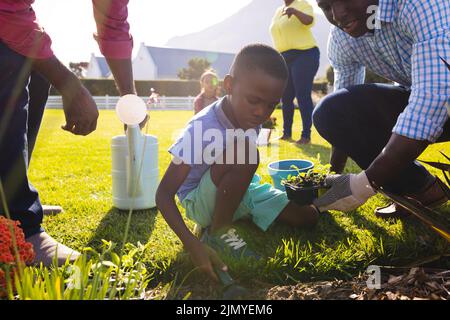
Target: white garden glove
[347,192]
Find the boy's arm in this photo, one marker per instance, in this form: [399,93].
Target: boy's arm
[202,256]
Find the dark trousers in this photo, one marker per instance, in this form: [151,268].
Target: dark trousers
[359,121]
[303,66]
[23,96]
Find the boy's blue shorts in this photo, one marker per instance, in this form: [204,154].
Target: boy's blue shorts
[262,202]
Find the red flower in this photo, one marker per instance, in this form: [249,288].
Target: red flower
[8,257]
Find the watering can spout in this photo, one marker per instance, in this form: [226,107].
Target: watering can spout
[135,144]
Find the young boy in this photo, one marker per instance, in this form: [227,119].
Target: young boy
[215,192]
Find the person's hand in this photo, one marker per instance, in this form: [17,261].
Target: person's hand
[206,259]
[347,192]
[79,107]
[141,125]
[80,111]
[289,11]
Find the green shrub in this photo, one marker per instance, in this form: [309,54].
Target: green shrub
[169,88]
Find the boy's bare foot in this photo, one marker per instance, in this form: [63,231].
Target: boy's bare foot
[51,210]
[46,248]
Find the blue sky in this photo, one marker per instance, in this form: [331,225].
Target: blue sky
[70,22]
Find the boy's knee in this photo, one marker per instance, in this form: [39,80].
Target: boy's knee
[308,219]
[300,216]
[312,219]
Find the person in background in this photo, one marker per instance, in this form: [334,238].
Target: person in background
[153,98]
[292,37]
[25,49]
[209,86]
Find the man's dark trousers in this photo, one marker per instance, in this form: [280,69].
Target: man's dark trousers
[22,103]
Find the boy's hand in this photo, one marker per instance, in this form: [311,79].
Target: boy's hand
[207,260]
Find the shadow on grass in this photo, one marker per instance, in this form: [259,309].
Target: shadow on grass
[112,227]
[312,150]
[417,242]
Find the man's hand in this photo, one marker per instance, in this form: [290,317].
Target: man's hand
[347,192]
[79,107]
[289,11]
[303,17]
[206,259]
[80,111]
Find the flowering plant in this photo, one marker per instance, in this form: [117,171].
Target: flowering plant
[9,257]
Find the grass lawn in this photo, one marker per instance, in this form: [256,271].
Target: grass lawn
[75,172]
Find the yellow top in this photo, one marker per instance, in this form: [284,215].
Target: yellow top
[290,33]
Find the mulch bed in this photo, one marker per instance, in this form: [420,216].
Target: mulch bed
[412,284]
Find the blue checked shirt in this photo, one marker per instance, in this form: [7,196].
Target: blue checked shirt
[413,36]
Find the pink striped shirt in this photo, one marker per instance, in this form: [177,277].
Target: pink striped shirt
[21,32]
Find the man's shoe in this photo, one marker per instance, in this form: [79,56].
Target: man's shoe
[48,249]
[303,141]
[51,210]
[229,243]
[435,195]
[286,138]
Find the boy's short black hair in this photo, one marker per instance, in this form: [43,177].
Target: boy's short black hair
[260,56]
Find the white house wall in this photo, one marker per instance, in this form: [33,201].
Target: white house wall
[144,67]
[93,70]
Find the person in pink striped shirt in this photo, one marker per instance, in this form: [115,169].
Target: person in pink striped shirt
[25,49]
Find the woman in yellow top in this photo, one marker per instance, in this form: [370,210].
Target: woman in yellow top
[292,37]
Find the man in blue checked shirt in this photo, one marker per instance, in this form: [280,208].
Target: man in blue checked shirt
[384,128]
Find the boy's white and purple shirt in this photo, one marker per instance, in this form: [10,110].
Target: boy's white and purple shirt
[202,132]
[407,48]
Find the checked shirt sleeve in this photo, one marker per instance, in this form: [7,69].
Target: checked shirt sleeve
[427,23]
[347,71]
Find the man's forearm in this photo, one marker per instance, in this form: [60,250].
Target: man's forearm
[304,18]
[123,75]
[398,153]
[57,74]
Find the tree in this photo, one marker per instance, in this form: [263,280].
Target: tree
[196,67]
[78,68]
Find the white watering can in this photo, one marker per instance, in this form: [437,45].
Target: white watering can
[135,173]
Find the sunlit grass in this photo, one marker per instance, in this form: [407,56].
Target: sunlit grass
[75,172]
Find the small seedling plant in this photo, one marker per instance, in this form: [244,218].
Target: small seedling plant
[313,178]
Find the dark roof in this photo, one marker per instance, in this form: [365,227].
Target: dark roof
[170,60]
[104,68]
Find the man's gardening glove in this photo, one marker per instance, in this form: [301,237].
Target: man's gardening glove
[347,192]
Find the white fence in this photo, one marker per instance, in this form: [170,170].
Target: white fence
[109,102]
